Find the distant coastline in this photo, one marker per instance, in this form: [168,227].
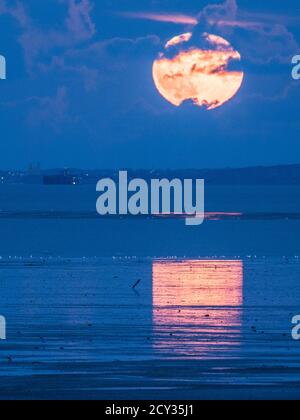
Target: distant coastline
[257,175]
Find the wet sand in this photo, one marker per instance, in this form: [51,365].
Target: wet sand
[191,329]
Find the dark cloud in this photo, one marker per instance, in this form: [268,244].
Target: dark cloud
[262,38]
[37,41]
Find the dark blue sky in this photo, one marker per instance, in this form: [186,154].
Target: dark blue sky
[80,89]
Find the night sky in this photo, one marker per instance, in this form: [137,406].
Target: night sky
[79,89]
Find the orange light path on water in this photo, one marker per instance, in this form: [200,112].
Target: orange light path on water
[197,306]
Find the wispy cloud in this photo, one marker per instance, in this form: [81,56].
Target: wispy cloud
[265,37]
[178,19]
[253,21]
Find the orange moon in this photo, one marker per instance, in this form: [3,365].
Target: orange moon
[201,75]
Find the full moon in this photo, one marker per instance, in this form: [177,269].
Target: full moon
[199,74]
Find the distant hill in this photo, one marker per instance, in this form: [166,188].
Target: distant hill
[260,175]
[274,175]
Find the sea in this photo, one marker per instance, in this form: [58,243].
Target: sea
[147,307]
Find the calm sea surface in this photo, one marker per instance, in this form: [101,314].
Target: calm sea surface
[210,316]
[62,221]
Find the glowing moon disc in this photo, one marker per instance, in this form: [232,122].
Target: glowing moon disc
[198,74]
